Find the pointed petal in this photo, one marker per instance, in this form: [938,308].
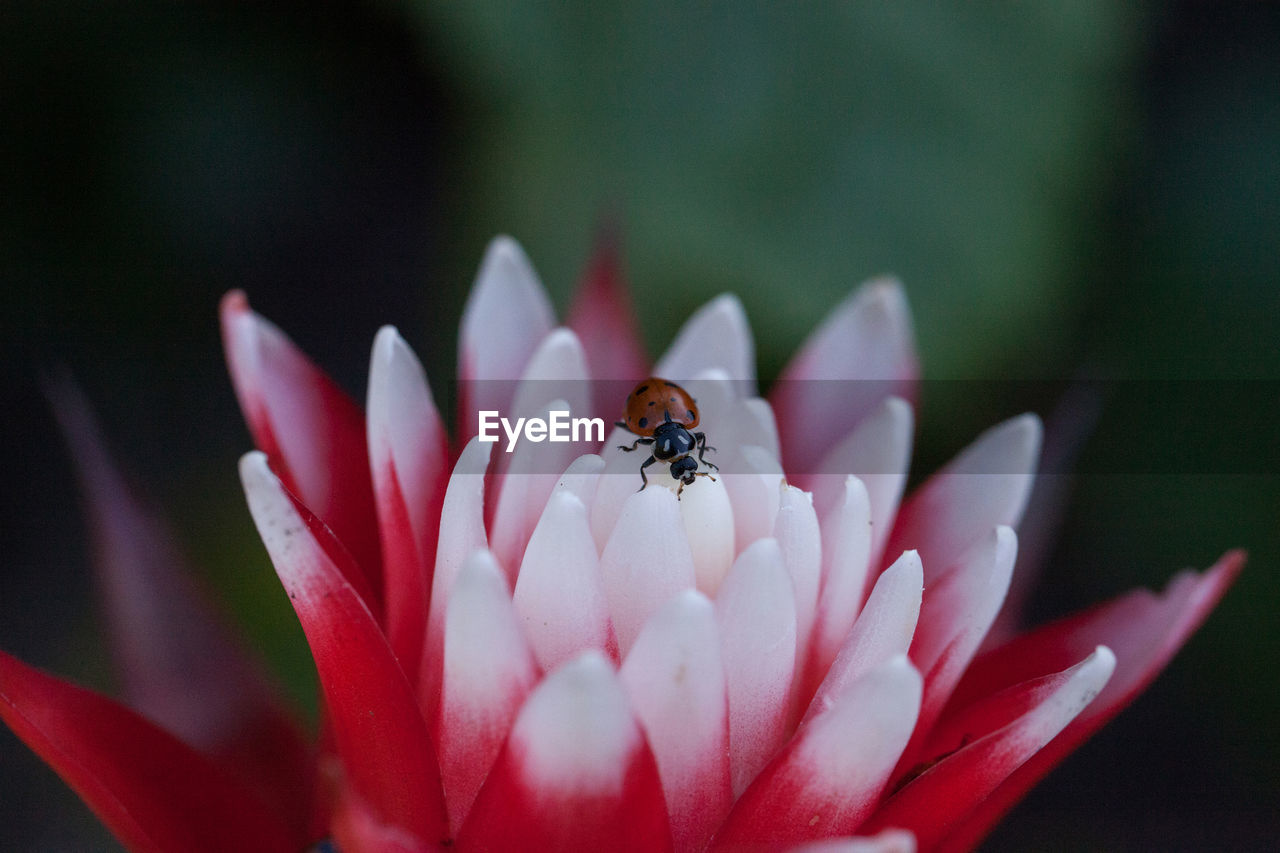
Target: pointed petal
[488,671]
[557,370]
[461,534]
[1144,630]
[640,571]
[576,773]
[757,616]
[882,632]
[956,613]
[309,427]
[716,336]
[800,538]
[753,480]
[675,678]
[943,796]
[846,542]
[708,523]
[408,455]
[877,452]
[381,739]
[507,315]
[830,777]
[582,477]
[200,683]
[603,317]
[152,791]
[558,594]
[527,479]
[863,352]
[985,486]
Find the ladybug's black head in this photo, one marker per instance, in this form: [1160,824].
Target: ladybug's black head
[684,469]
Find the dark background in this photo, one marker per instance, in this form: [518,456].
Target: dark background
[1092,189]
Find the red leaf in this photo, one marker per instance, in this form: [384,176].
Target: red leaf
[150,789]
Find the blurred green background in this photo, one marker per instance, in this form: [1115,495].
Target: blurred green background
[1065,189]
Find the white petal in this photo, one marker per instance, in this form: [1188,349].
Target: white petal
[404,425]
[507,315]
[756,612]
[757,425]
[461,533]
[863,352]
[846,545]
[533,469]
[716,336]
[576,733]
[877,452]
[646,562]
[558,593]
[955,615]
[832,775]
[753,480]
[800,538]
[675,678]
[708,524]
[582,477]
[557,370]
[882,632]
[488,671]
[985,486]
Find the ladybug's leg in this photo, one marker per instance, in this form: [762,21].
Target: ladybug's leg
[700,441]
[635,444]
[643,479]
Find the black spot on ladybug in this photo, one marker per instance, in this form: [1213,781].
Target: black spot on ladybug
[653,403]
[671,399]
[643,422]
[641,389]
[688,416]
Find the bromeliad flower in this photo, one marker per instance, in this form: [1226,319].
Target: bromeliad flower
[520,651]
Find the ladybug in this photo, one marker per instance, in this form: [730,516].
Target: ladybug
[662,414]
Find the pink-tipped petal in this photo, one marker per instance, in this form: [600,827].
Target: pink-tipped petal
[829,778]
[708,523]
[602,315]
[582,477]
[883,631]
[152,791]
[200,683]
[507,315]
[800,538]
[955,614]
[932,804]
[408,455]
[675,678]
[863,352]
[757,425]
[313,432]
[889,841]
[717,336]
[877,452]
[387,756]
[559,595]
[754,484]
[641,571]
[488,671]
[524,484]
[461,534]
[1144,630]
[576,773]
[985,486]
[846,544]
[757,616]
